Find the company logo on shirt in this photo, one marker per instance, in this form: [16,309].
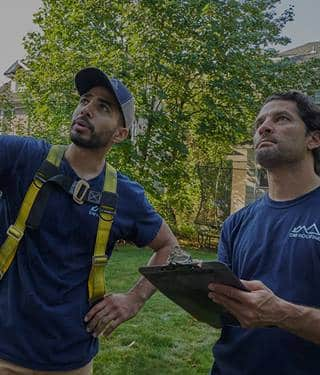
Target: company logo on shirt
[302,231]
[94,211]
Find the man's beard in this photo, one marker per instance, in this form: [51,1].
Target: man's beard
[268,158]
[272,158]
[94,142]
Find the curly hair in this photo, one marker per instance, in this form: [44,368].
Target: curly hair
[308,111]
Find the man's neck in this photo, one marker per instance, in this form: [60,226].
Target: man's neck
[290,183]
[87,163]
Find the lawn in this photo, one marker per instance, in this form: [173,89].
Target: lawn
[162,339]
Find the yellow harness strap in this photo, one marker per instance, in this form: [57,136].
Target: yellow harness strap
[96,282]
[16,231]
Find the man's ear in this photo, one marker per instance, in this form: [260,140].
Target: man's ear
[120,134]
[314,140]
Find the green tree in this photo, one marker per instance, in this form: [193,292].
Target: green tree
[197,68]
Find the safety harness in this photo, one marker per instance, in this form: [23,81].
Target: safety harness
[34,204]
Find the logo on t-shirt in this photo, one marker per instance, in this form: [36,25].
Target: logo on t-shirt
[302,231]
[94,211]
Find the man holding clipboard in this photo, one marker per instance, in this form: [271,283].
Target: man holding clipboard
[276,240]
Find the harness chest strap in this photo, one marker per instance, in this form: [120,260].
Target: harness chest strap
[96,281]
[16,231]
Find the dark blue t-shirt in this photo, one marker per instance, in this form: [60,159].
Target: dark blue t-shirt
[279,244]
[43,296]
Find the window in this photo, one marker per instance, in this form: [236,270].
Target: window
[262,179]
[13,86]
[316,97]
[19,111]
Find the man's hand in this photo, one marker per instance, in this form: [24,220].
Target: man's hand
[114,309]
[108,314]
[258,308]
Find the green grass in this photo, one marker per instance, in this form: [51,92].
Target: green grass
[162,339]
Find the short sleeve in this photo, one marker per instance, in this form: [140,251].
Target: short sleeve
[147,223]
[136,220]
[20,154]
[224,245]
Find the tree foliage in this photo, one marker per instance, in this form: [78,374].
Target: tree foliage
[197,68]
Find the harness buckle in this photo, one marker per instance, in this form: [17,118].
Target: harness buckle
[80,190]
[15,233]
[99,260]
[107,210]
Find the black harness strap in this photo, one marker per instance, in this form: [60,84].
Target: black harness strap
[49,175]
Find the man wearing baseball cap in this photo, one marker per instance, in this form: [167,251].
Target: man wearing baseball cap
[50,316]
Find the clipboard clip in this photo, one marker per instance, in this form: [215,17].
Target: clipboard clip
[179,257]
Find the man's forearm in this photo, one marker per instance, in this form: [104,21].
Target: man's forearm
[262,308]
[162,244]
[143,289]
[302,321]
[115,309]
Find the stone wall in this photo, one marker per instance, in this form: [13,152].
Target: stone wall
[245,185]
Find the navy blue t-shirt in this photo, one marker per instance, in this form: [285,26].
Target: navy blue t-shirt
[43,296]
[279,244]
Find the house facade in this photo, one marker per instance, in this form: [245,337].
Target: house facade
[13,119]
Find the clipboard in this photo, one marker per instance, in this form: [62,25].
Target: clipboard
[187,286]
